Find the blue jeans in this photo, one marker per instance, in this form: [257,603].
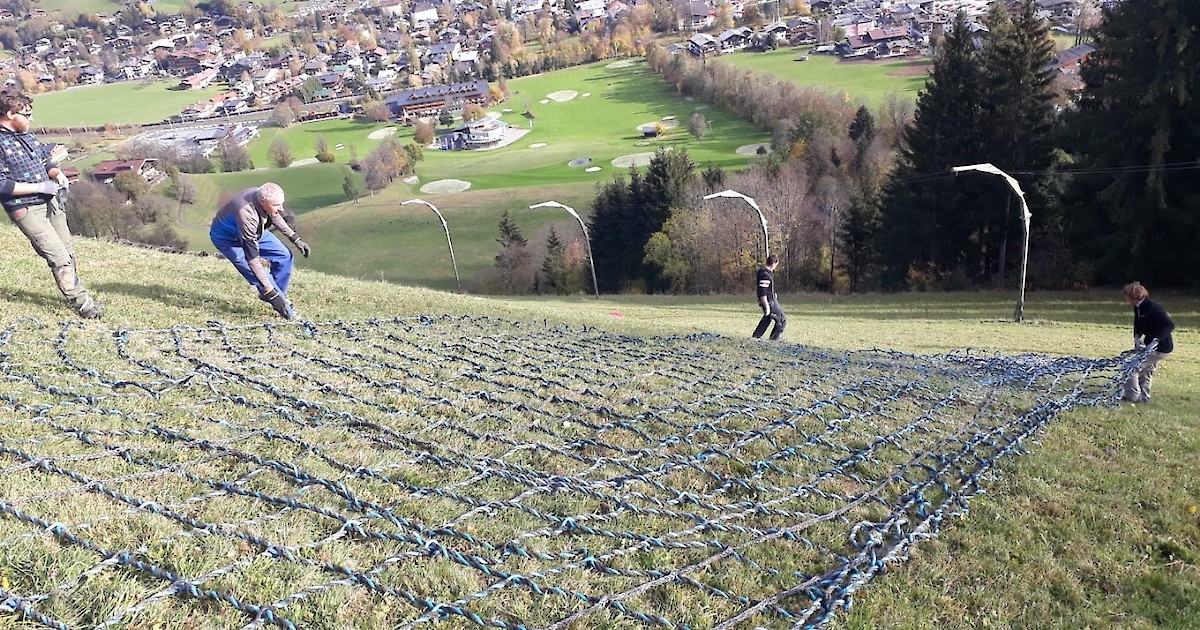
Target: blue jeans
[270,249]
[45,225]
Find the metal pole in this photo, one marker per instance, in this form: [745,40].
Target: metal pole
[1019,312]
[586,239]
[446,228]
[762,219]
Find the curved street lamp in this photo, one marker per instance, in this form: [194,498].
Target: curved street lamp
[761,217]
[586,239]
[1019,314]
[446,228]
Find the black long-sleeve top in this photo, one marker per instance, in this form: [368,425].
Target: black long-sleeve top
[1150,322]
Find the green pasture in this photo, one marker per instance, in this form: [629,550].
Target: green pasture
[74,7]
[123,103]
[600,127]
[868,82]
[1097,526]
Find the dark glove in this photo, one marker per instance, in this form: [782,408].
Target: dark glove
[48,187]
[277,302]
[302,246]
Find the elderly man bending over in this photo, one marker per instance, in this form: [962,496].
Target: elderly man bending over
[239,232]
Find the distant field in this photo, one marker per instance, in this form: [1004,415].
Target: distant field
[124,103]
[599,127]
[865,81]
[73,7]
[377,238]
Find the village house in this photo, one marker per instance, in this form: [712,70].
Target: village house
[107,170]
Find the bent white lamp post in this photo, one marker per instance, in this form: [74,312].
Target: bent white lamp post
[753,204]
[446,228]
[1019,314]
[586,239]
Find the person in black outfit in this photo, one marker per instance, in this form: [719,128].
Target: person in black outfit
[1150,324]
[768,301]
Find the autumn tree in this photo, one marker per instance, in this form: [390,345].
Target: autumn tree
[280,152]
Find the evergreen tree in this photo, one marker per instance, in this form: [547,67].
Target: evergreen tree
[1138,116]
[862,132]
[513,259]
[553,277]
[924,215]
[1018,91]
[625,216]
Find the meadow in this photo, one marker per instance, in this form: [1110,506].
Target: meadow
[866,82]
[71,8]
[124,103]
[407,244]
[1097,525]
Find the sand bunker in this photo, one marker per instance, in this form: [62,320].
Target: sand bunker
[507,110]
[752,149]
[544,101]
[562,96]
[380,134]
[617,65]
[537,145]
[579,161]
[411,179]
[592,169]
[668,123]
[634,159]
[493,115]
[304,162]
[586,94]
[445,186]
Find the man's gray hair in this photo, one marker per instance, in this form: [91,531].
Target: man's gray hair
[270,192]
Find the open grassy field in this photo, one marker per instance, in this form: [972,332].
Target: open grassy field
[867,82]
[124,103]
[73,7]
[1096,526]
[601,126]
[407,244]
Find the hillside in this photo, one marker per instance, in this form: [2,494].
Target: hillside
[515,461]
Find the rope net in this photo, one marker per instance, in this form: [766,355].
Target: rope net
[465,472]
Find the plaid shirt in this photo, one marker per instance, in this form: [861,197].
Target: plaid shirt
[23,158]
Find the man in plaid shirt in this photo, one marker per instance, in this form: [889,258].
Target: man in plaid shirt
[29,184]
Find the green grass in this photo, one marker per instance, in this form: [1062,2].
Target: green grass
[124,103]
[1097,527]
[377,238]
[867,82]
[71,8]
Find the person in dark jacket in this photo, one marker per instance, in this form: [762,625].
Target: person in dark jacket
[768,301]
[1151,325]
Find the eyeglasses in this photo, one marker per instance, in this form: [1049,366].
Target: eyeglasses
[28,115]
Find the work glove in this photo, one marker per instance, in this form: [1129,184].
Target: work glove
[277,302]
[302,246]
[1137,343]
[48,188]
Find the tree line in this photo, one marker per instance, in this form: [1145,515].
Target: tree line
[857,200]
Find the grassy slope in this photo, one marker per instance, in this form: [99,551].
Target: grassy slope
[1097,527]
[124,103]
[866,81]
[377,238]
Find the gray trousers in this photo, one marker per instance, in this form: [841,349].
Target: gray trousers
[1137,388]
[45,225]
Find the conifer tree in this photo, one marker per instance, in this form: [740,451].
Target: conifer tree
[553,277]
[625,217]
[1140,217]
[922,211]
